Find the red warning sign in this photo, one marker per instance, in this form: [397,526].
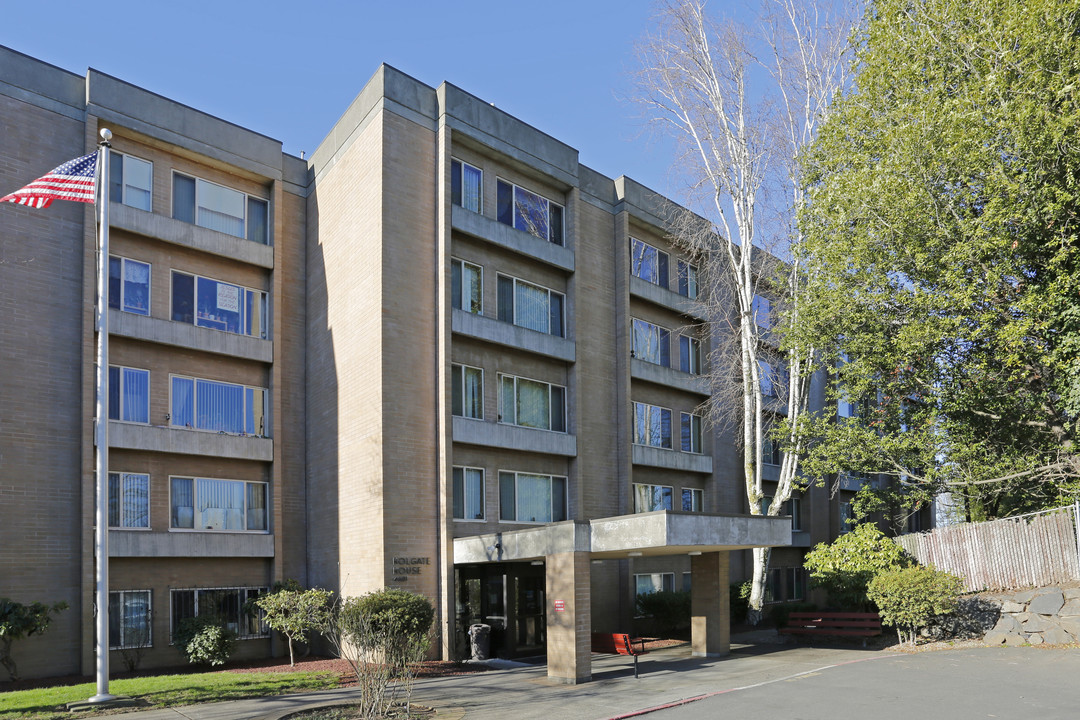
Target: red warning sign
[560,606]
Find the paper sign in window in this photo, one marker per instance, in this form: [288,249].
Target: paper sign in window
[228,297]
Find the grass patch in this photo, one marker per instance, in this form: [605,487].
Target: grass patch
[162,691]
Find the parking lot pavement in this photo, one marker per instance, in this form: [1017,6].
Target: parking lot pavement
[1018,682]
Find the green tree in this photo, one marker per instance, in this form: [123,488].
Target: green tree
[18,621]
[910,598]
[940,241]
[845,567]
[295,613]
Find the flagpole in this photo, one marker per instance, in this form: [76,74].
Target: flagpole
[101,429]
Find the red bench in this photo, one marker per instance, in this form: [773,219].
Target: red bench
[617,644]
[857,624]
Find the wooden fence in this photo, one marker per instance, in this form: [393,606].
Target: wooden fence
[1024,551]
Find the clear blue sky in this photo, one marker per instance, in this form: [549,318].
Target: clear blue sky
[289,69]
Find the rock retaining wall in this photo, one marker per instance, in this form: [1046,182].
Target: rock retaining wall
[1045,615]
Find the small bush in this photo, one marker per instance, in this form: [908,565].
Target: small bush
[739,600]
[844,568]
[910,598]
[204,641]
[396,611]
[670,610]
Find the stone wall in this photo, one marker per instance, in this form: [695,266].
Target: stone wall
[1044,615]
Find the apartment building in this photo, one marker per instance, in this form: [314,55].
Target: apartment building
[438,354]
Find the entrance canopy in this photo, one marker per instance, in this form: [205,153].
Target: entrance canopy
[654,533]
[567,550]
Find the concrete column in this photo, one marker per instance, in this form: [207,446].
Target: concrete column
[710,618]
[569,621]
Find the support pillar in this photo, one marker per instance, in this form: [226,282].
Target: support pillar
[710,616]
[569,619]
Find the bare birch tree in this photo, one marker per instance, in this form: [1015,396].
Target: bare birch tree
[742,120]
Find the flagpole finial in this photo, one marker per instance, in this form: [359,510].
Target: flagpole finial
[106,134]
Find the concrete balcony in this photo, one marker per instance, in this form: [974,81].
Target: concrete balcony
[666,298]
[669,377]
[191,337]
[147,543]
[671,459]
[177,232]
[490,330]
[468,431]
[522,243]
[181,441]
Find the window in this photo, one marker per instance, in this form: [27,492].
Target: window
[650,342]
[129,500]
[468,493]
[218,406]
[689,355]
[693,500]
[794,509]
[524,497]
[847,517]
[466,286]
[768,379]
[208,504]
[691,433]
[531,403]
[224,604]
[218,305]
[530,306]
[770,451]
[219,208]
[130,181]
[129,619]
[467,388]
[652,497]
[648,263]
[688,280]
[645,583]
[466,185]
[652,426]
[129,285]
[914,522]
[785,584]
[529,212]
[129,394]
[761,309]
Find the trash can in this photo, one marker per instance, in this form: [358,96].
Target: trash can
[480,641]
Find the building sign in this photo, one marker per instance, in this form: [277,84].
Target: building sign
[404,567]
[560,606]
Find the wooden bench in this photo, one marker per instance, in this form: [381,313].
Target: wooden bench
[617,644]
[852,624]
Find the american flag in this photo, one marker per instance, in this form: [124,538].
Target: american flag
[74,180]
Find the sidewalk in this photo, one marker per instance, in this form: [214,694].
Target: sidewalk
[525,693]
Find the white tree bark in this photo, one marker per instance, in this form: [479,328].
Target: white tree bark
[738,145]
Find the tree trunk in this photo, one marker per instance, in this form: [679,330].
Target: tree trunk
[6,661]
[757,589]
[292,663]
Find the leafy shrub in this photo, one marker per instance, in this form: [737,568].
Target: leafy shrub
[395,611]
[845,568]
[18,621]
[739,600]
[670,610]
[204,641]
[383,635]
[909,598]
